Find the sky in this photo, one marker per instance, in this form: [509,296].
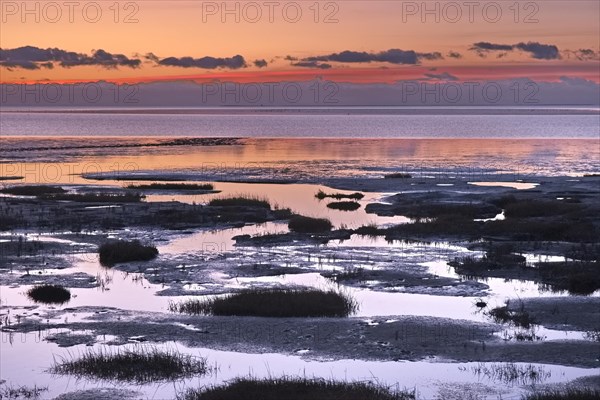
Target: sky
[346,41]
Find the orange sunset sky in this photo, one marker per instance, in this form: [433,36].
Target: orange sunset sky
[167,40]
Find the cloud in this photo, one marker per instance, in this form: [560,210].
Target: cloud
[454,54]
[290,58]
[583,54]
[260,63]
[312,64]
[536,50]
[152,57]
[234,62]
[32,58]
[444,76]
[539,51]
[392,56]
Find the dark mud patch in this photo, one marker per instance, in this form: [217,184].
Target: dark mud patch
[411,279]
[48,215]
[562,313]
[73,280]
[576,277]
[403,338]
[100,394]
[293,238]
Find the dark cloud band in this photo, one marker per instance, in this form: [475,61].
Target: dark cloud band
[32,58]
[537,50]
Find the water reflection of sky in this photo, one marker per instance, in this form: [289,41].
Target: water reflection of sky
[301,158]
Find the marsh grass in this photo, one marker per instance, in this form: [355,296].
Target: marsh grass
[273,303]
[519,318]
[295,389]
[344,205]
[567,394]
[302,224]
[338,196]
[32,190]
[349,274]
[172,186]
[241,201]
[95,197]
[511,373]
[582,278]
[139,365]
[539,208]
[21,392]
[122,251]
[371,230]
[49,294]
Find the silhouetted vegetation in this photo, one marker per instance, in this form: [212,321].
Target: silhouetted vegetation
[511,373]
[494,259]
[539,208]
[33,190]
[122,251]
[344,205]
[21,392]
[302,224]
[49,294]
[173,186]
[338,196]
[371,230]
[564,394]
[563,229]
[398,175]
[518,317]
[581,278]
[139,365]
[241,201]
[273,303]
[96,197]
[295,389]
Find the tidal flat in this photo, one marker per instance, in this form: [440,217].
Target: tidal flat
[426,258]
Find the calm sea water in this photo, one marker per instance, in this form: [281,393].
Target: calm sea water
[333,123]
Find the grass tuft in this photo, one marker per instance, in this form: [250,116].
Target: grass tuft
[344,205]
[511,373]
[49,294]
[139,365]
[295,389]
[273,303]
[21,392]
[122,251]
[302,224]
[338,196]
[520,317]
[241,201]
